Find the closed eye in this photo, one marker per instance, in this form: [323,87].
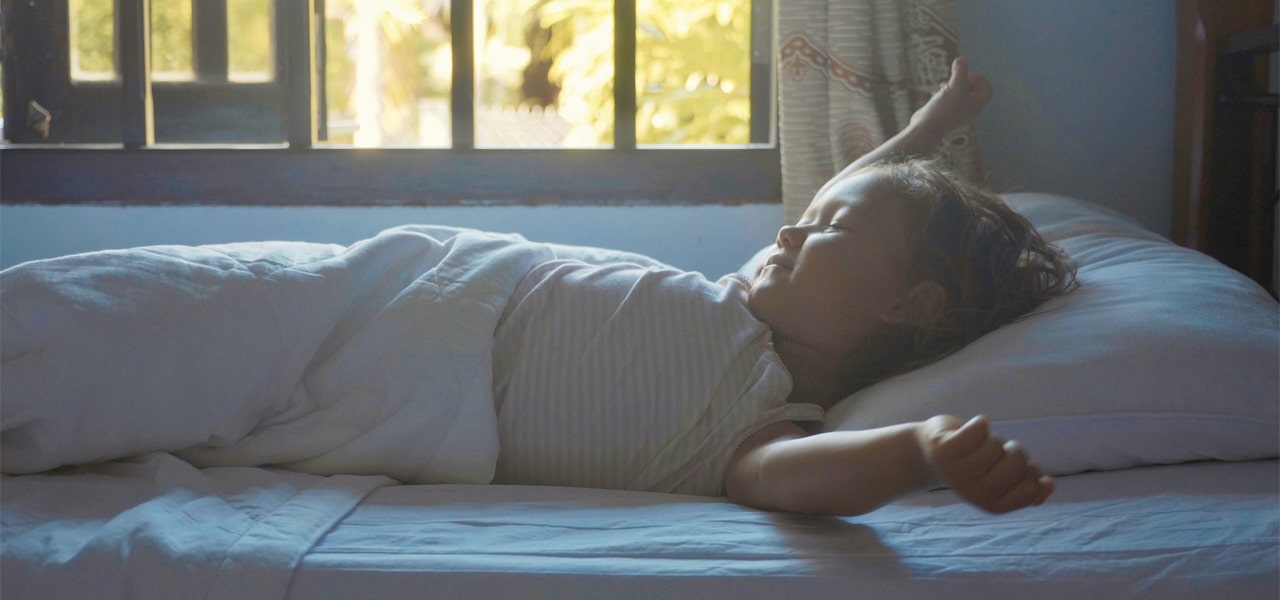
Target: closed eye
[834,227]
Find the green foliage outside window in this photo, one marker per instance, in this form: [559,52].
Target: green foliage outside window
[92,38]
[249,45]
[171,39]
[692,59]
[692,65]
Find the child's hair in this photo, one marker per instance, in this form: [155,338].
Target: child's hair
[993,264]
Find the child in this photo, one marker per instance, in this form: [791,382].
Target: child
[893,265]
[435,355]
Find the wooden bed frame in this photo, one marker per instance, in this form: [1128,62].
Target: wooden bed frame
[1225,134]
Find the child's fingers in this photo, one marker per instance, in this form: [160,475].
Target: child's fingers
[1008,470]
[968,455]
[1011,470]
[981,87]
[1046,490]
[959,73]
[1031,490]
[969,471]
[963,440]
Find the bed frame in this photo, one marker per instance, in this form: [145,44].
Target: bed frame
[1225,134]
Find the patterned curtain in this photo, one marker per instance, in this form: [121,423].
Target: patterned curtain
[851,73]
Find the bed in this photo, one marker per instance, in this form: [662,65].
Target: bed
[1150,392]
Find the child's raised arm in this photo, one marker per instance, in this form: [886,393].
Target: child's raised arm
[957,104]
[854,472]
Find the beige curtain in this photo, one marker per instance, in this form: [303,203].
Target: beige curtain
[851,72]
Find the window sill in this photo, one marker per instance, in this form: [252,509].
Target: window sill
[274,175]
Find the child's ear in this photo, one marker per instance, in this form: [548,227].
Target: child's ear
[920,305]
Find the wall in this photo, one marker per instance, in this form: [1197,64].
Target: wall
[1084,98]
[1084,107]
[712,239]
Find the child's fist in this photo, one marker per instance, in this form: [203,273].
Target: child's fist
[985,470]
[957,103]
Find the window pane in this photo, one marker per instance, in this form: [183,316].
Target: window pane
[544,73]
[249,40]
[388,69]
[92,33]
[693,71]
[171,40]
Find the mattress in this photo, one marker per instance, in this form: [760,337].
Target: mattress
[1180,531]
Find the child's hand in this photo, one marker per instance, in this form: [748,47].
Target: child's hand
[986,471]
[958,103]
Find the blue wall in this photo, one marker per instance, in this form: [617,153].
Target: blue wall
[1084,107]
[713,239]
[1084,98]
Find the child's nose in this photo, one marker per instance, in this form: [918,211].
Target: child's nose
[791,236]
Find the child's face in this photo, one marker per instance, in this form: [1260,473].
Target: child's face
[841,270]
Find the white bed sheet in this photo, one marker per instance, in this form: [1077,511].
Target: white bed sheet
[1184,531]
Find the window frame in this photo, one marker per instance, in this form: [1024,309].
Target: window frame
[137,171]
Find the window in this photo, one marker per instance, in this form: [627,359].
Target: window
[388,101]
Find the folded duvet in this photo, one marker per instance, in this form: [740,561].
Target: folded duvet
[309,356]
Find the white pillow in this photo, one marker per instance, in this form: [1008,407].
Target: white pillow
[1162,355]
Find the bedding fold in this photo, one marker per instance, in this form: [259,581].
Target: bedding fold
[156,527]
[374,358]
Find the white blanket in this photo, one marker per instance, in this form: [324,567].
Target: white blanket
[368,359]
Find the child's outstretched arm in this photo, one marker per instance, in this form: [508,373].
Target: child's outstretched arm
[957,104]
[854,472]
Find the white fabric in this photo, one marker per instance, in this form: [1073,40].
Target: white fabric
[377,359]
[1162,355]
[372,359]
[1190,531]
[158,528]
[139,529]
[625,377]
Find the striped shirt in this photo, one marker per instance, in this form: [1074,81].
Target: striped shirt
[625,377]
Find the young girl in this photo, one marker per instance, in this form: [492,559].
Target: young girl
[894,264]
[437,355]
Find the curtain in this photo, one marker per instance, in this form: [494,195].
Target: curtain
[850,74]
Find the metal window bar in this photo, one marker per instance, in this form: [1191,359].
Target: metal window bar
[295,29]
[624,74]
[209,40]
[462,102]
[762,84]
[321,72]
[133,21]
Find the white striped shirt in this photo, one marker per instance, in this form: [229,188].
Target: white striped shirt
[626,377]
